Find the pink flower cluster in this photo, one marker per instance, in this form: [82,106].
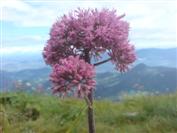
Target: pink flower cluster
[78,37]
[122,56]
[98,31]
[73,75]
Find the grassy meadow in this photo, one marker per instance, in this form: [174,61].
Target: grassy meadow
[39,113]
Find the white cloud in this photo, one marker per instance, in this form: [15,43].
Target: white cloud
[35,38]
[154,44]
[25,40]
[22,14]
[24,49]
[140,14]
[17,5]
[27,13]
[153,23]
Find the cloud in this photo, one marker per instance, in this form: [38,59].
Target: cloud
[36,38]
[140,14]
[34,13]
[153,44]
[152,23]
[25,40]
[152,34]
[22,14]
[21,49]
[17,5]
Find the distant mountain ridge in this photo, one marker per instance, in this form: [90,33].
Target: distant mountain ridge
[158,57]
[150,57]
[141,78]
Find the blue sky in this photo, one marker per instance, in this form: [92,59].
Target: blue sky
[25,24]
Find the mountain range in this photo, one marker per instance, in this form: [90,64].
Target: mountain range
[34,60]
[141,78]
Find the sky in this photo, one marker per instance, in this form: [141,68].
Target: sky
[25,24]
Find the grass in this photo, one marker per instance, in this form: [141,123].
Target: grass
[37,113]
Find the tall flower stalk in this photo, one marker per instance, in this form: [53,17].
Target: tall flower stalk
[76,39]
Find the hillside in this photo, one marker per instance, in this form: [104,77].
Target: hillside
[141,78]
[22,113]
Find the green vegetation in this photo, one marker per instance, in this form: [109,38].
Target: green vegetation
[37,113]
